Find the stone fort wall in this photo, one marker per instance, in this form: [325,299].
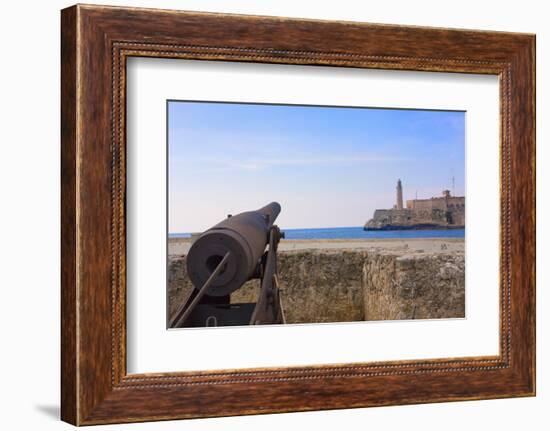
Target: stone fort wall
[353,285]
[444,204]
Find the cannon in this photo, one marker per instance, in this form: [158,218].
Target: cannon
[221,260]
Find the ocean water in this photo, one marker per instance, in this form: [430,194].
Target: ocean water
[357,233]
[179,235]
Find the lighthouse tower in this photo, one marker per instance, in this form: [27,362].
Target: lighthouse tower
[399,203]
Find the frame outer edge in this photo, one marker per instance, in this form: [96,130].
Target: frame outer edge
[69,202]
[533,54]
[529,63]
[523,217]
[532,85]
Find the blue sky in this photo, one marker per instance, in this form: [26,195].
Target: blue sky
[326,166]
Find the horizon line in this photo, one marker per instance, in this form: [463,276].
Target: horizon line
[290,228]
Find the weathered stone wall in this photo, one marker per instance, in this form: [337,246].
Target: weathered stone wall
[342,286]
[321,286]
[413,286]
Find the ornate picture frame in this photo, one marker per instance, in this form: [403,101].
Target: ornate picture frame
[96,41]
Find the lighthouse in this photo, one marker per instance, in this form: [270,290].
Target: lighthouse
[399,203]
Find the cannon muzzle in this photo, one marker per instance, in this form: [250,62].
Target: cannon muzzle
[244,236]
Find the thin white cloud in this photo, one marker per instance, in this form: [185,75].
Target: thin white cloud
[258,164]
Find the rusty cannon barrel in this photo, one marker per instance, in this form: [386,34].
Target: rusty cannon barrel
[244,236]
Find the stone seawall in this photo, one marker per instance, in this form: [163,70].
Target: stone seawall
[353,285]
[413,286]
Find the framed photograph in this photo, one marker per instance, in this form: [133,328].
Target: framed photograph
[329,167]
[323,214]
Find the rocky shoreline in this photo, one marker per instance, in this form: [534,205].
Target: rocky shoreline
[419,226]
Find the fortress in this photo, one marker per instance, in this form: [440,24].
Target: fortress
[446,212]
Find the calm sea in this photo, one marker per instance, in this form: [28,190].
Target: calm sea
[357,233]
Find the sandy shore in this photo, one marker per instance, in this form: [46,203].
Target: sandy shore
[180,246]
